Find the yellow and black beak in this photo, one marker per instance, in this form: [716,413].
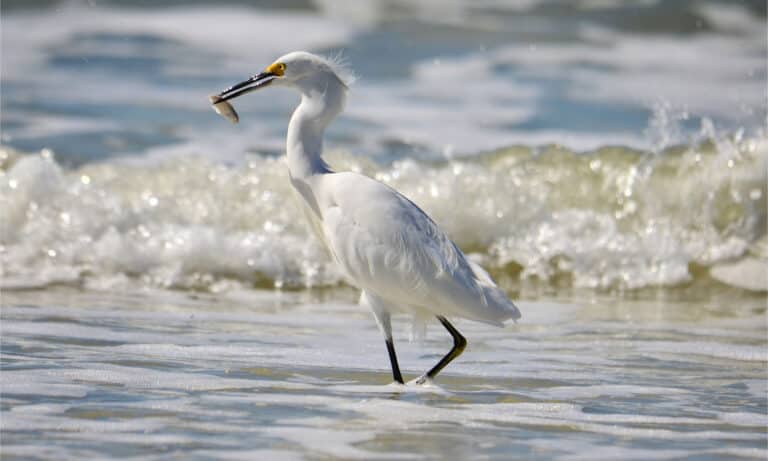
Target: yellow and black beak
[254,83]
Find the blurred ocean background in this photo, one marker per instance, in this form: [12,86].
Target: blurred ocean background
[607,161]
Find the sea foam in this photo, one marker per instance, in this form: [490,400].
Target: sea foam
[611,218]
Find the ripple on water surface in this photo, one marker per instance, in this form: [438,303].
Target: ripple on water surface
[88,374]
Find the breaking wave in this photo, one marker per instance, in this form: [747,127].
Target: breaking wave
[611,218]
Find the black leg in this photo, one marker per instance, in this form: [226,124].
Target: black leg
[459,343]
[393,359]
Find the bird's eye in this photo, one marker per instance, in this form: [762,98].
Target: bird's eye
[277,68]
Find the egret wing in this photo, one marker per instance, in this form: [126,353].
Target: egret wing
[388,245]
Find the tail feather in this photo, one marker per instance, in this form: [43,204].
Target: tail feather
[501,304]
[497,300]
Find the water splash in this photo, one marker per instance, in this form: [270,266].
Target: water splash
[611,218]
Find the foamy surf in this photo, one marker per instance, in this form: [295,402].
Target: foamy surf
[614,218]
[393,388]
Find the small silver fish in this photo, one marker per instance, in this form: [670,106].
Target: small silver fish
[224,108]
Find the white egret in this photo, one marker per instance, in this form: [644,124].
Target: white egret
[385,244]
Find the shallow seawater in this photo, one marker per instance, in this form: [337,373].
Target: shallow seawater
[290,376]
[559,141]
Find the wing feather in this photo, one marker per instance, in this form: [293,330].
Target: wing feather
[386,244]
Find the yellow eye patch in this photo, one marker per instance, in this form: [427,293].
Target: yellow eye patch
[277,68]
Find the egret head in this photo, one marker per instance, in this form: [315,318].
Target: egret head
[297,69]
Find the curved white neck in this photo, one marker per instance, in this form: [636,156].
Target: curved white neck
[322,98]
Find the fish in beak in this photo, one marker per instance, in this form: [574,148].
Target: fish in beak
[220,101]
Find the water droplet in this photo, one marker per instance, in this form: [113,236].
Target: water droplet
[755,194]
[85,179]
[434,191]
